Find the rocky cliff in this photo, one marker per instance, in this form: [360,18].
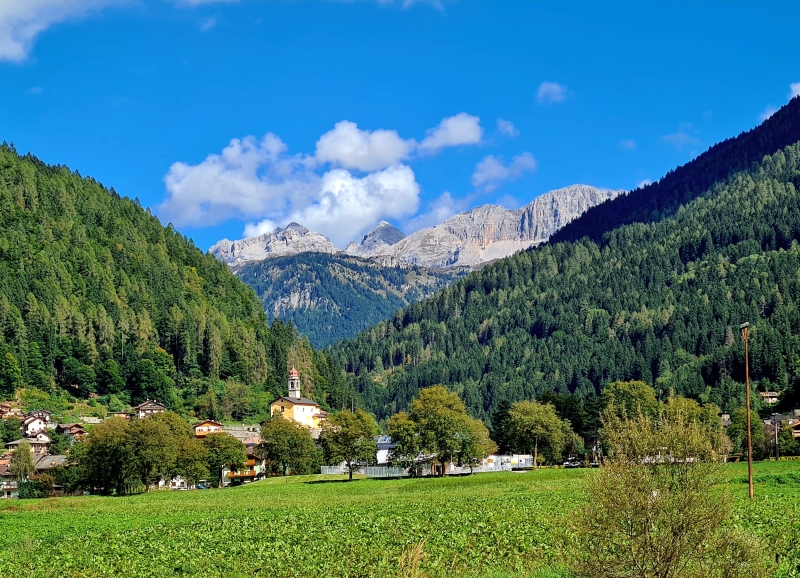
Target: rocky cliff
[491,232]
[292,240]
[468,239]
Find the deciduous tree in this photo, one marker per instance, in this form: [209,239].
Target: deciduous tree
[350,438]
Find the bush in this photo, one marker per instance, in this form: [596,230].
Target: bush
[44,487]
[658,506]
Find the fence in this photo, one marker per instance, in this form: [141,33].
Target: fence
[397,472]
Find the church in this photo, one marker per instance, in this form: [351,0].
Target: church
[304,411]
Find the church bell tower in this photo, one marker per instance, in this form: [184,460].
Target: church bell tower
[294,384]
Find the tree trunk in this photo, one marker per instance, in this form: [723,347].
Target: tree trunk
[349,472]
[221,478]
[536,453]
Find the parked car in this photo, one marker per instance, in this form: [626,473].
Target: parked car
[573,462]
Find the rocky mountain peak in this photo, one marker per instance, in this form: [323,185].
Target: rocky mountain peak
[291,240]
[383,235]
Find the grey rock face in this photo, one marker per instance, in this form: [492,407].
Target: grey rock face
[468,239]
[292,240]
[492,232]
[383,235]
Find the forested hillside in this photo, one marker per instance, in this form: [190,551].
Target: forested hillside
[332,297]
[661,199]
[659,302]
[97,298]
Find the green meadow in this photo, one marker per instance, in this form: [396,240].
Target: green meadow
[505,524]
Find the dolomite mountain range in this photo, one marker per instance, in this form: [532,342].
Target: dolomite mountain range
[467,239]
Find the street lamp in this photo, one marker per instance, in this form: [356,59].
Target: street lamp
[776,422]
[745,329]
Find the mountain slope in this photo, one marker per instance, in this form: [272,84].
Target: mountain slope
[660,302]
[97,297]
[331,297]
[662,198]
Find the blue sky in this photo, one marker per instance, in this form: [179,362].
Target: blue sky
[233,117]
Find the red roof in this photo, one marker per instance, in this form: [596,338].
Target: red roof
[294,373]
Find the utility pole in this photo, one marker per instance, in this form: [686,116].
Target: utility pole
[745,327]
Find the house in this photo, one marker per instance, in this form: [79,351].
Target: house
[121,414]
[35,421]
[146,408]
[206,427]
[306,412]
[6,411]
[8,485]
[74,431]
[40,443]
[725,418]
[769,397]
[255,468]
[45,463]
[385,447]
[795,427]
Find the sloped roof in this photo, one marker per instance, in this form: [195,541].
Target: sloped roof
[148,404]
[297,401]
[47,462]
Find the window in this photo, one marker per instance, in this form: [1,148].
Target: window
[282,408]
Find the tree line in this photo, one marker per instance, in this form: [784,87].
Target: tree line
[99,300]
[658,302]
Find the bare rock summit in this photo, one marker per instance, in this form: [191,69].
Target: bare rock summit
[292,240]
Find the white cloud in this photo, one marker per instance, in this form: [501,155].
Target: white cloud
[627,144]
[507,127]
[550,92]
[21,21]
[643,183]
[208,24]
[348,146]
[345,207]
[491,171]
[461,129]
[683,138]
[257,180]
[768,112]
[794,89]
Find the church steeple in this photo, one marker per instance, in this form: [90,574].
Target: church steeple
[294,384]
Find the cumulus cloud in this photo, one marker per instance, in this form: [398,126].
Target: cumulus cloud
[507,127]
[350,147]
[550,92]
[794,89]
[491,171]
[686,136]
[627,144]
[258,181]
[643,183]
[461,129]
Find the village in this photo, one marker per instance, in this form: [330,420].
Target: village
[38,428]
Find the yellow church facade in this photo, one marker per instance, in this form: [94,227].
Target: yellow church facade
[299,409]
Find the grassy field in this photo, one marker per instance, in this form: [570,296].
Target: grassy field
[483,525]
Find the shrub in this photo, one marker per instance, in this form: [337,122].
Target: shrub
[658,506]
